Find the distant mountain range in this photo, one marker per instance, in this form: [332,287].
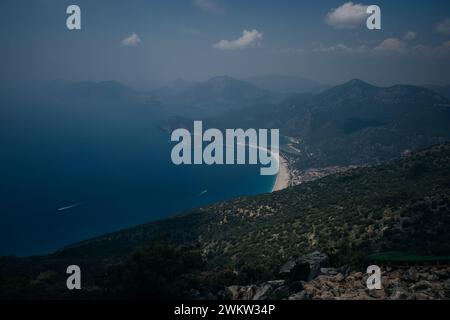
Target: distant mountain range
[442,90]
[400,205]
[223,93]
[353,123]
[286,84]
[214,96]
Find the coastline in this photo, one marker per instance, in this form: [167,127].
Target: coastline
[284,175]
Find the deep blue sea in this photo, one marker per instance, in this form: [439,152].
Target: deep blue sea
[111,164]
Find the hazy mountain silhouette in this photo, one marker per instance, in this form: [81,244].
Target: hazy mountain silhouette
[286,84]
[216,95]
[354,122]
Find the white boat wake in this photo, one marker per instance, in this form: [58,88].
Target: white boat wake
[202,193]
[70,207]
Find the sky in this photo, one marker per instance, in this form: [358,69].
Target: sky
[146,43]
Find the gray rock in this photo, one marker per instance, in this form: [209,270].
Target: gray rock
[422,296]
[441,273]
[233,292]
[327,295]
[412,275]
[280,293]
[247,293]
[329,271]
[339,277]
[315,260]
[262,292]
[299,296]
[432,277]
[276,283]
[399,294]
[288,266]
[421,286]
[345,270]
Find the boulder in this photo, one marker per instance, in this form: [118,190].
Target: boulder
[399,294]
[339,277]
[233,291]
[412,275]
[315,261]
[271,290]
[421,286]
[287,267]
[280,293]
[422,296]
[329,271]
[299,296]
[247,293]
[262,291]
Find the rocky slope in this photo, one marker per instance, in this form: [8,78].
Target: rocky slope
[398,283]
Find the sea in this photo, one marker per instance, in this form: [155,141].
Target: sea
[71,173]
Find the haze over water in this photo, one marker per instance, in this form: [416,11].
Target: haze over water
[71,174]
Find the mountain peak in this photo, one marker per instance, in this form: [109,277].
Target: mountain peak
[357,83]
[227,82]
[286,83]
[222,79]
[354,88]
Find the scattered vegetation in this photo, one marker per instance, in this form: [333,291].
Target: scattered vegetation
[399,206]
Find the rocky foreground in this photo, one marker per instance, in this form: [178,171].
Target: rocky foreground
[427,282]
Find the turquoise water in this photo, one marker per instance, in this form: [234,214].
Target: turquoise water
[111,168]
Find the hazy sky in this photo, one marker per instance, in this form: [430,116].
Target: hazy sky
[147,42]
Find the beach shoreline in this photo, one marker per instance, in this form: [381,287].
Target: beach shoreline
[284,175]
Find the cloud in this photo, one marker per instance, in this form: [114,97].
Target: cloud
[131,41]
[409,36]
[348,15]
[389,47]
[392,45]
[443,27]
[248,39]
[442,50]
[340,48]
[212,6]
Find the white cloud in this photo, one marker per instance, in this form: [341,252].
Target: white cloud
[410,35]
[248,39]
[389,47]
[442,50]
[212,6]
[340,48]
[131,41]
[348,15]
[392,45]
[443,27]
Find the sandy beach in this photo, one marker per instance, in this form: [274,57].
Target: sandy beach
[283,177]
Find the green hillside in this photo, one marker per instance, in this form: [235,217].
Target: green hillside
[400,206]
